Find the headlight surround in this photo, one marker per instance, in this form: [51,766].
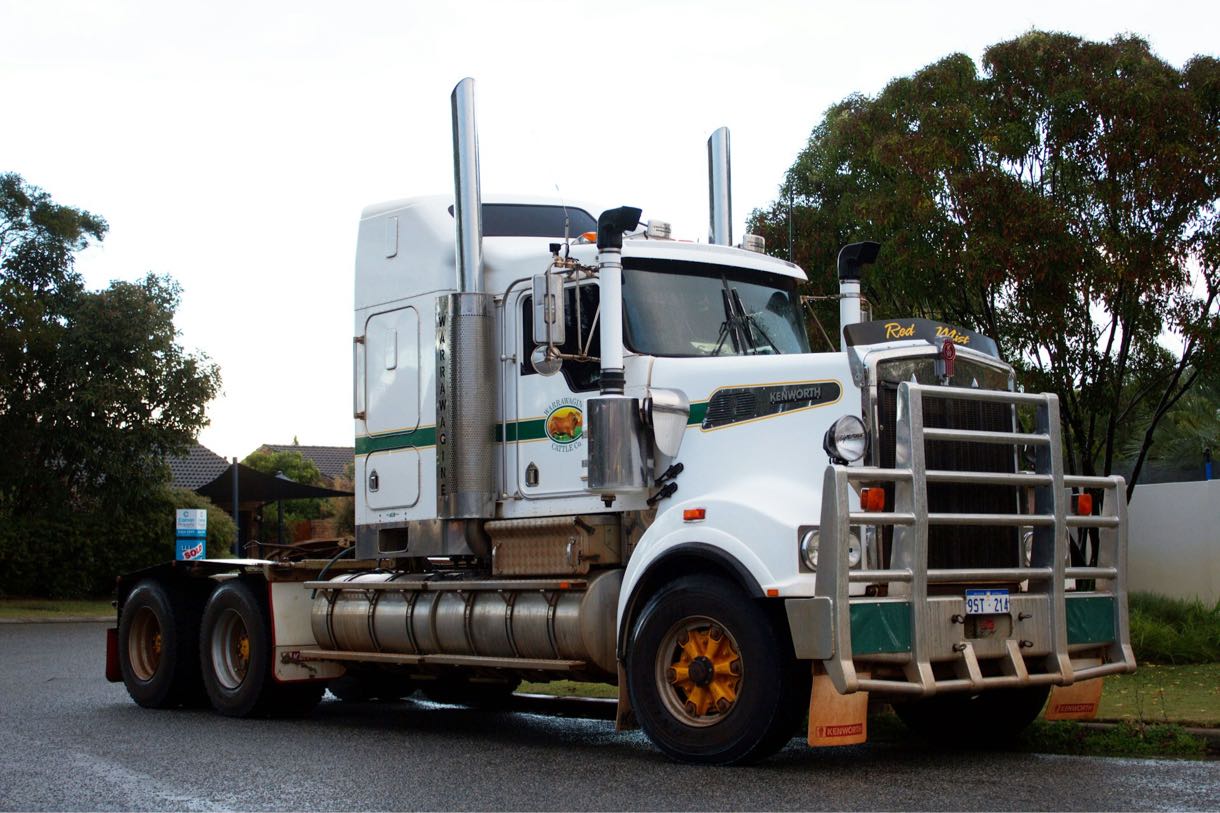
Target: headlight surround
[809,549]
[846,439]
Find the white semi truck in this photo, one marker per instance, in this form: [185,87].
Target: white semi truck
[587,451]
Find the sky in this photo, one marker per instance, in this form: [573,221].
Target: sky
[232,145]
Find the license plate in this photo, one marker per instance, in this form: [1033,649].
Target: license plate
[986,602]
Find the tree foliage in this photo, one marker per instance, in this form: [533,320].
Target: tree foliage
[1064,200]
[295,466]
[95,393]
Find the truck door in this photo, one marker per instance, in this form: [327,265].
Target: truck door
[391,370]
[548,431]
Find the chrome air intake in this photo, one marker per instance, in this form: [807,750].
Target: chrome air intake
[720,193]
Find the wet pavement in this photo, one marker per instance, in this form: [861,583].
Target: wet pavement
[71,741]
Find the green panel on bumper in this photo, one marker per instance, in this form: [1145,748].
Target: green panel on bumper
[1090,619]
[880,627]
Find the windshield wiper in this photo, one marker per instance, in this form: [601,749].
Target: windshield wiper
[749,322]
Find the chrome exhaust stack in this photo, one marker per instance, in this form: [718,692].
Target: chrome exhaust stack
[720,194]
[465,349]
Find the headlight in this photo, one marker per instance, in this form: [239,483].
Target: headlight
[846,439]
[809,550]
[854,550]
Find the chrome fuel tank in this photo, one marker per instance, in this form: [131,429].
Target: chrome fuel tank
[508,619]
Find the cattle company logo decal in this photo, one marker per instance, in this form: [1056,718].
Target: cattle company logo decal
[565,424]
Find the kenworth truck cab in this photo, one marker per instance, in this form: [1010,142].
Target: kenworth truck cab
[585,450]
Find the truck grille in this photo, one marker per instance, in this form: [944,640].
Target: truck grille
[957,546]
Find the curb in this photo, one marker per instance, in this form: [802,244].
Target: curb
[1211,735]
[59,619]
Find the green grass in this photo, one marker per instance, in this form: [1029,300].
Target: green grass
[570,688]
[49,608]
[1127,739]
[1187,694]
[1175,631]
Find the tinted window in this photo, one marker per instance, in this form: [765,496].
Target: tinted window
[696,309]
[582,376]
[519,220]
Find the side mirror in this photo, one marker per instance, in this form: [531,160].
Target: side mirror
[548,309]
[542,363]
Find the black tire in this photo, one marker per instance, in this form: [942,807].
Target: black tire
[359,687]
[158,656]
[992,718]
[770,690]
[235,654]
[487,695]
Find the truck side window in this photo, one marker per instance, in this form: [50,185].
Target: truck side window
[582,376]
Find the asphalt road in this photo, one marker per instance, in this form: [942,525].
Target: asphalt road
[71,741]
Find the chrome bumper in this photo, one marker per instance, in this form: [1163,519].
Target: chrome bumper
[908,630]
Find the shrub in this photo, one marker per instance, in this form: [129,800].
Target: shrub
[1171,630]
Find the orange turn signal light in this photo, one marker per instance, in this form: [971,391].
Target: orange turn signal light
[1082,504]
[694,514]
[772,592]
[872,499]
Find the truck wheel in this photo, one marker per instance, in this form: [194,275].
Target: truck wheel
[157,647]
[995,716]
[711,680]
[235,652]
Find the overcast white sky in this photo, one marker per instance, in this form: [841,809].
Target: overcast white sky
[232,145]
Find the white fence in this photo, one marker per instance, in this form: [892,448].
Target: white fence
[1174,541]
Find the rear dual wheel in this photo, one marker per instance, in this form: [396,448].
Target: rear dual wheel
[158,658]
[710,677]
[236,655]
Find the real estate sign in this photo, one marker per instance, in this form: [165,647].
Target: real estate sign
[192,533]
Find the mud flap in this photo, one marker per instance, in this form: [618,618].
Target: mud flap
[836,719]
[114,673]
[1079,701]
[624,717]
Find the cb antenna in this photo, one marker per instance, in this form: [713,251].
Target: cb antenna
[567,223]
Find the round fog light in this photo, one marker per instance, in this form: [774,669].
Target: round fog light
[846,439]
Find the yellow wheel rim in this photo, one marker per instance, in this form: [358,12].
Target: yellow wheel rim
[144,644]
[699,671]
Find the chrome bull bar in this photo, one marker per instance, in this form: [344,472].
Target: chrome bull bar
[907,630]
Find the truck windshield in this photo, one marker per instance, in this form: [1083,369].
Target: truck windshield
[696,309]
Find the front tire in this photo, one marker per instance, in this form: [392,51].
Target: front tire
[235,652]
[710,678]
[996,716]
[158,631]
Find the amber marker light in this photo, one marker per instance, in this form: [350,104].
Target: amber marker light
[872,499]
[694,514]
[1082,504]
[772,592]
